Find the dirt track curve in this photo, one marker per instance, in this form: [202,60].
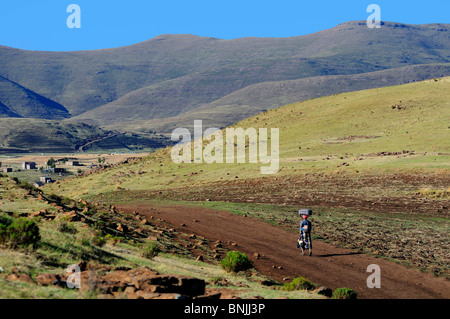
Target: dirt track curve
[329,265]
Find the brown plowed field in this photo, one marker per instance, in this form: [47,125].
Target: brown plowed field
[329,266]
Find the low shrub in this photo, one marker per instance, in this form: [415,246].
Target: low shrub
[236,261]
[150,250]
[344,293]
[65,226]
[66,201]
[113,240]
[98,239]
[26,186]
[298,283]
[55,198]
[18,233]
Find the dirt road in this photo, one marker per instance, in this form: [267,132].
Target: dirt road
[329,266]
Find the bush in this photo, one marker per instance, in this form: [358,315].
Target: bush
[344,293]
[150,250]
[54,198]
[18,233]
[298,283]
[65,226]
[66,201]
[113,240]
[236,261]
[26,186]
[98,239]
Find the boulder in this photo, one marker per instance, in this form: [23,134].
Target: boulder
[324,291]
[20,277]
[47,279]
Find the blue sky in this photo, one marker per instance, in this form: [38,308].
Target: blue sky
[41,24]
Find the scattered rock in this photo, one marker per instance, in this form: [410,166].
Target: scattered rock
[122,228]
[20,277]
[210,296]
[47,279]
[220,282]
[324,291]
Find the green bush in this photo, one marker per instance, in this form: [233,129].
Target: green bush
[150,250]
[113,240]
[66,201]
[18,233]
[298,283]
[236,261]
[5,220]
[98,239]
[26,186]
[344,293]
[65,226]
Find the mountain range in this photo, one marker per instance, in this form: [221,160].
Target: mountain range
[170,80]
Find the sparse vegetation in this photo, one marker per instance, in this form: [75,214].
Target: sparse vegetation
[298,283]
[65,226]
[344,293]
[150,249]
[18,233]
[98,239]
[236,261]
[434,193]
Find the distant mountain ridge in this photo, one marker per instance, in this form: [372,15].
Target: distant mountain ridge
[157,84]
[260,97]
[84,80]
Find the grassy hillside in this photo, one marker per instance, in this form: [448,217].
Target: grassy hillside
[315,136]
[44,135]
[373,165]
[256,98]
[17,101]
[35,135]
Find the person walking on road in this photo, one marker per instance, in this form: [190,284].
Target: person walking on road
[304,236]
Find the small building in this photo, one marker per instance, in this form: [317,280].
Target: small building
[45,180]
[55,170]
[38,184]
[7,170]
[73,163]
[28,165]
